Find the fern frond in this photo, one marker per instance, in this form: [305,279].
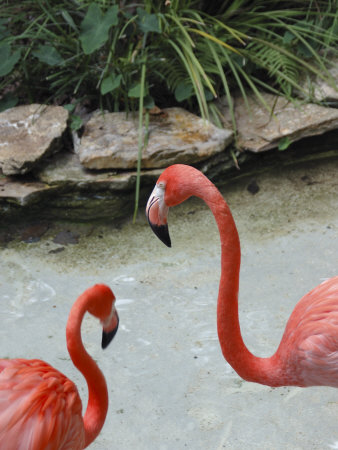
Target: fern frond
[278,65]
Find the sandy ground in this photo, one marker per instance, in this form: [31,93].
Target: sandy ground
[169,386]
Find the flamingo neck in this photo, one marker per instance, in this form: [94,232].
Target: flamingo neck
[248,366]
[97,406]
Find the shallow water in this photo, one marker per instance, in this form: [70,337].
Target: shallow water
[169,385]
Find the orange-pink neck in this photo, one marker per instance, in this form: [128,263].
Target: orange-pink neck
[248,366]
[97,406]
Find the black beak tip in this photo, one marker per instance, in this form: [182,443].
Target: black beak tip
[107,337]
[162,232]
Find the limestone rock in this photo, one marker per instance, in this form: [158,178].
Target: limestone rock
[259,131]
[20,192]
[65,169]
[322,90]
[110,140]
[28,133]
[64,190]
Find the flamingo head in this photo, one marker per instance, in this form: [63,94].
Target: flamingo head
[157,213]
[172,188]
[103,307]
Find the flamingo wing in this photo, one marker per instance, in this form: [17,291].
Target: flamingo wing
[40,408]
[309,347]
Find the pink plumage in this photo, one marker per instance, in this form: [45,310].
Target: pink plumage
[309,347]
[40,408]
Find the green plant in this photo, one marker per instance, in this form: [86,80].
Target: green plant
[93,52]
[284,143]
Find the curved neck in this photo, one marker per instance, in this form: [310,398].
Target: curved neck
[97,389]
[248,366]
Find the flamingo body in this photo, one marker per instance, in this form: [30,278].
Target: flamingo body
[309,348]
[40,408]
[308,352]
[43,408]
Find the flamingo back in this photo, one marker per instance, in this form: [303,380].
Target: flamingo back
[308,352]
[40,408]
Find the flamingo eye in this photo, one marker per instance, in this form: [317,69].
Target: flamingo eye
[161,185]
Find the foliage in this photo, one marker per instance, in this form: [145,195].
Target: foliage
[92,52]
[284,143]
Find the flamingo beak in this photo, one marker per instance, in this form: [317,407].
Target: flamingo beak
[157,212]
[110,329]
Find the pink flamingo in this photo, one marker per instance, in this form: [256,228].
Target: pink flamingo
[40,408]
[308,352]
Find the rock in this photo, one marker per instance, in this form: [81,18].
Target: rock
[66,237]
[64,190]
[61,188]
[34,232]
[321,90]
[27,134]
[56,250]
[110,140]
[65,169]
[20,192]
[253,187]
[258,131]
[223,166]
